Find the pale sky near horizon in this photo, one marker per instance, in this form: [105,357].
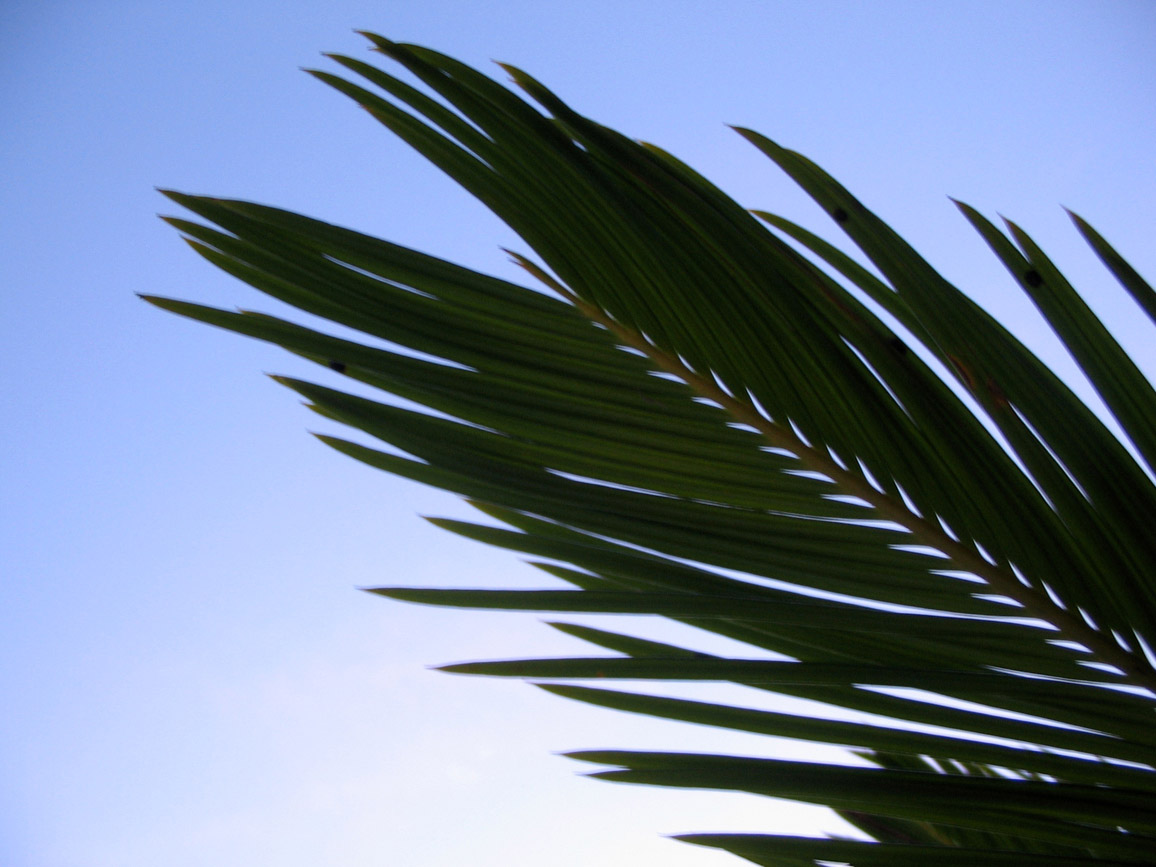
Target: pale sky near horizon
[188,673]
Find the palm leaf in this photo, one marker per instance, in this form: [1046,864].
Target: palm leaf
[705,424]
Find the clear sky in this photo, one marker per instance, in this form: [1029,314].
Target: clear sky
[188,675]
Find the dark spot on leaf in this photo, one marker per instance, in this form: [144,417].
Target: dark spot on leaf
[1033,279]
[997,395]
[840,215]
[963,370]
[898,345]
[339,366]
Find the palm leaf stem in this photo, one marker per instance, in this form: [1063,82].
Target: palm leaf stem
[1000,580]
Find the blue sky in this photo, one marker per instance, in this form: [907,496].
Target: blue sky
[189,675]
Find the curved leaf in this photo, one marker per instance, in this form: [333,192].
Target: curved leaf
[711,423]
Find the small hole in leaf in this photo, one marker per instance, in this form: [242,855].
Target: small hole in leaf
[339,366]
[840,215]
[1033,279]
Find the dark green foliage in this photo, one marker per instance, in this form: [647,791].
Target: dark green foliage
[703,399]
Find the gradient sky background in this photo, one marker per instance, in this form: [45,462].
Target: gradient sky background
[187,673]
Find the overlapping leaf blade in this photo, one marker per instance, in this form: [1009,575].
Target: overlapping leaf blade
[707,426]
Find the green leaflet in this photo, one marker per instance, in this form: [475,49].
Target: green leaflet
[1136,285]
[871,737]
[707,426]
[1039,810]
[783,851]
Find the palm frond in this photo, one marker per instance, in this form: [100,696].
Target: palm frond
[706,425]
